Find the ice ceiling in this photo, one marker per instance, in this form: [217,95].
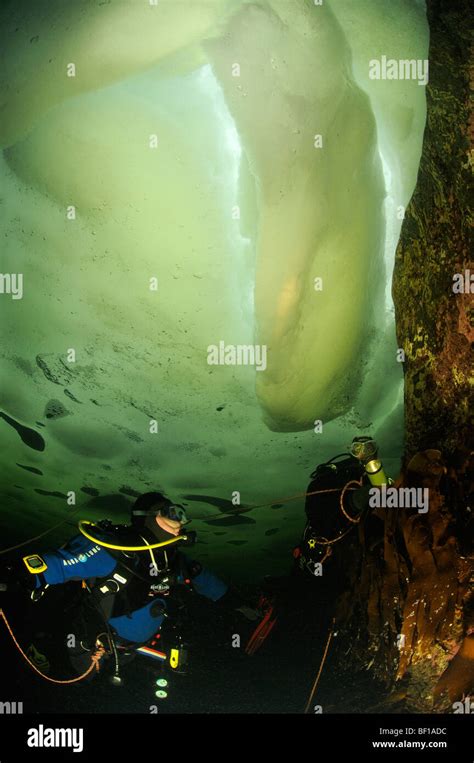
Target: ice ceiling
[235,211]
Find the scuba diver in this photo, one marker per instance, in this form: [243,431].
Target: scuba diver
[337,499]
[127,573]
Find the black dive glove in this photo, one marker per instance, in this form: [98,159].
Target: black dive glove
[359,499]
[17,576]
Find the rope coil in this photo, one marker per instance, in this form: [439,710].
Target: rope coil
[95,658]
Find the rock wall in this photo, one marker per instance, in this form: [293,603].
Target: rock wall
[435,325]
[413,583]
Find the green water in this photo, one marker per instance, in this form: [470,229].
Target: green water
[172,195]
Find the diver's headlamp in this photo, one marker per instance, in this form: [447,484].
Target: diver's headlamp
[375,472]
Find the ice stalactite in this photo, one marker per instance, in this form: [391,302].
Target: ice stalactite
[257,185]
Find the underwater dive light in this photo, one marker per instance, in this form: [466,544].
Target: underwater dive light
[375,473]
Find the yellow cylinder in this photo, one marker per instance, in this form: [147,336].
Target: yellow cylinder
[375,473]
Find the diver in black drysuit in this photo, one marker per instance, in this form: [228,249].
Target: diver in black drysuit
[319,573]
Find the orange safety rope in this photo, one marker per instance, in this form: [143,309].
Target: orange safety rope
[316,681]
[210,516]
[324,541]
[293,497]
[341,499]
[96,657]
[246,509]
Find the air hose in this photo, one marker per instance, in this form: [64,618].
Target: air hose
[116,547]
